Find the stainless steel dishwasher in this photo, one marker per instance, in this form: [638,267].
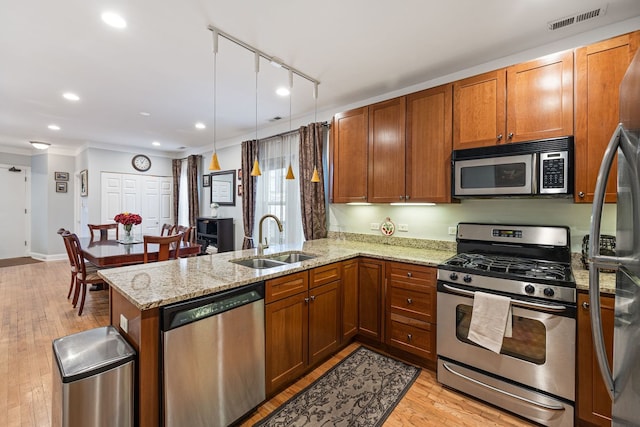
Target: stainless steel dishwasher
[213,350]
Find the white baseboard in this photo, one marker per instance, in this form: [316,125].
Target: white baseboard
[43,257]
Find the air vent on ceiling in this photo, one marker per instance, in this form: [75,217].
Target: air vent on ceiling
[275,119]
[576,18]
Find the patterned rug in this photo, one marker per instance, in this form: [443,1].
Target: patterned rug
[361,390]
[10,262]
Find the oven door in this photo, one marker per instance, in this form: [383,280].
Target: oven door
[540,353]
[494,176]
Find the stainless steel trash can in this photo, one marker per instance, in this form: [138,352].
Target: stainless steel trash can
[93,379]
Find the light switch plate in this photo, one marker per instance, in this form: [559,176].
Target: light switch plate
[374,226]
[403,227]
[452,231]
[124,323]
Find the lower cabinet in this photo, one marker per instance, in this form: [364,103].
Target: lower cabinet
[593,404]
[302,322]
[371,280]
[349,301]
[411,309]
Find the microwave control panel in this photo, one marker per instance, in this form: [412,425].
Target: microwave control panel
[553,172]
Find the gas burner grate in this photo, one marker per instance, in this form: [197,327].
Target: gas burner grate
[521,267]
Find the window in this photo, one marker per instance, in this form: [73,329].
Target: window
[276,195]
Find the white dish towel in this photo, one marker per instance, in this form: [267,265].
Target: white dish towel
[490,320]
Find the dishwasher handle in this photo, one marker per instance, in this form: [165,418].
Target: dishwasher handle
[183,313]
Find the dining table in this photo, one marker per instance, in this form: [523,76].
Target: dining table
[118,253]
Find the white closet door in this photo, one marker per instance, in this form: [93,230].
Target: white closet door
[13,213]
[166,201]
[151,205]
[111,184]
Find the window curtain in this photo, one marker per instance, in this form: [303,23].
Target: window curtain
[276,195]
[183,200]
[192,187]
[177,170]
[249,153]
[312,194]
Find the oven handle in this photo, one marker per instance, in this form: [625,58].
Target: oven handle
[514,396]
[517,303]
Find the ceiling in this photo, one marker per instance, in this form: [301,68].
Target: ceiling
[162,62]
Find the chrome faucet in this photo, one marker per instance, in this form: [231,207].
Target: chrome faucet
[261,247]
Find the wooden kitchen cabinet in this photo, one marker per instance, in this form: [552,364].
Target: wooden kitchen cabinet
[411,309]
[600,68]
[349,302]
[349,146]
[523,102]
[593,405]
[324,311]
[370,296]
[386,161]
[428,145]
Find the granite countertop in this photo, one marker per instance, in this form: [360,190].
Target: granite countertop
[154,285]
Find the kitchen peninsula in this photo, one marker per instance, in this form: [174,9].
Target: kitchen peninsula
[138,292]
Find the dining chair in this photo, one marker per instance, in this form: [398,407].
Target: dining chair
[62,232]
[166,243]
[186,231]
[103,229]
[84,275]
[167,229]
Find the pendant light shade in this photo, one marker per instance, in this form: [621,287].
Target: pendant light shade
[316,176]
[255,171]
[290,174]
[256,168]
[214,165]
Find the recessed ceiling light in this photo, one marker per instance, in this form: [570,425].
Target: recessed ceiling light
[53,127]
[283,91]
[200,125]
[155,143]
[144,113]
[71,96]
[114,20]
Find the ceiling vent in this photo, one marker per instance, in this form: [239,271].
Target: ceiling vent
[275,119]
[576,18]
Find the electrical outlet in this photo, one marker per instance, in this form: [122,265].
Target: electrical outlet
[403,227]
[124,323]
[452,231]
[374,226]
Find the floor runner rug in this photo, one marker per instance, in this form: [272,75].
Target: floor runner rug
[361,390]
[10,262]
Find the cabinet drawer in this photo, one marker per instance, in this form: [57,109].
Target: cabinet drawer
[325,274]
[285,286]
[412,303]
[414,337]
[412,274]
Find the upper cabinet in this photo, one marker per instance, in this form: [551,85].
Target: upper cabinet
[599,71]
[523,102]
[349,156]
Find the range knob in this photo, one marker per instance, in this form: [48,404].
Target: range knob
[467,279]
[453,276]
[548,292]
[529,289]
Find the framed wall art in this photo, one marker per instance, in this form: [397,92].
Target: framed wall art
[84,183]
[206,180]
[61,187]
[223,188]
[62,176]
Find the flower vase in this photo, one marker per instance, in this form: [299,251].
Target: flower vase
[127,233]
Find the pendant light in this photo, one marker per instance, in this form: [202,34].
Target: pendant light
[290,169]
[215,165]
[256,167]
[316,176]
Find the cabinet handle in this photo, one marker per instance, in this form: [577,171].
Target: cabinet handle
[401,197]
[585,305]
[406,197]
[581,195]
[409,337]
[363,197]
[409,274]
[510,136]
[409,301]
[306,300]
[499,137]
[313,297]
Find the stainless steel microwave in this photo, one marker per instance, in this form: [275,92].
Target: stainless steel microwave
[535,168]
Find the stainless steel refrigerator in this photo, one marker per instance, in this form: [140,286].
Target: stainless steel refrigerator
[624,384]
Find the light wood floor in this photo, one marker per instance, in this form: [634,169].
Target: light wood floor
[35,311]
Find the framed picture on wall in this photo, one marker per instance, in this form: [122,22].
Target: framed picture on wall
[206,180]
[62,176]
[61,187]
[223,187]
[84,183]
[239,190]
[239,174]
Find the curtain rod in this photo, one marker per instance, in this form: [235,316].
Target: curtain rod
[291,132]
[264,55]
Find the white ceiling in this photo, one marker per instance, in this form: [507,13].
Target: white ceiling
[162,63]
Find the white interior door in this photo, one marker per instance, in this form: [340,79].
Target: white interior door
[151,205]
[14,212]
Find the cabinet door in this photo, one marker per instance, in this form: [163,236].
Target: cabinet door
[540,98]
[599,71]
[349,300]
[428,161]
[287,332]
[371,276]
[592,400]
[386,151]
[349,156]
[479,110]
[324,325]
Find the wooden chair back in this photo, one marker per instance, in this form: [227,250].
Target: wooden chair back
[62,232]
[167,230]
[83,278]
[103,229]
[166,245]
[186,232]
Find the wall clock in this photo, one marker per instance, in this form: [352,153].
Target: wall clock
[141,162]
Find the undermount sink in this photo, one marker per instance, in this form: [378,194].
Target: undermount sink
[273,260]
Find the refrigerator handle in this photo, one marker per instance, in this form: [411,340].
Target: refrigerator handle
[597,261]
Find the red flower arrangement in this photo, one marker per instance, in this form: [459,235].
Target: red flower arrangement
[127,218]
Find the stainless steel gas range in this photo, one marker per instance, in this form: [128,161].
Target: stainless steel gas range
[533,374]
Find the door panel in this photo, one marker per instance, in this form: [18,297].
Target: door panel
[13,213]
